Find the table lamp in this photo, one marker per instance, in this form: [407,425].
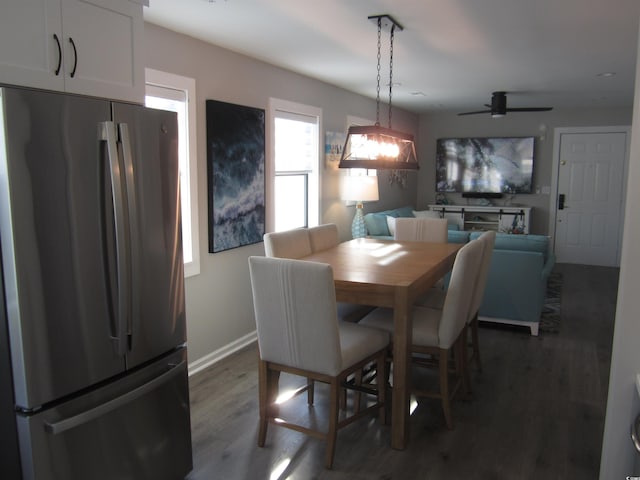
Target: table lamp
[362,188]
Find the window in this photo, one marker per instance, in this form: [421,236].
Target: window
[358,121]
[167,91]
[295,198]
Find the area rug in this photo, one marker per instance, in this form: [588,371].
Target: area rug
[550,318]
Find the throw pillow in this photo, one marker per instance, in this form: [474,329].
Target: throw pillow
[376,224]
[391,225]
[426,214]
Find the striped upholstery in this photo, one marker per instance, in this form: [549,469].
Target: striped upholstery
[295,309]
[287,244]
[323,237]
[421,230]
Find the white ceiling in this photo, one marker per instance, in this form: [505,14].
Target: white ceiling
[451,54]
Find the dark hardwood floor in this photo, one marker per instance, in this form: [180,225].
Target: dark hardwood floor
[537,409]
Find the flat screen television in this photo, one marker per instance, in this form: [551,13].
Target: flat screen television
[484,166]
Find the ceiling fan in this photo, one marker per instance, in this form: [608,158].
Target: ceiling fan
[499,107]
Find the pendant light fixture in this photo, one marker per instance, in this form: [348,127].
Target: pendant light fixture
[374,146]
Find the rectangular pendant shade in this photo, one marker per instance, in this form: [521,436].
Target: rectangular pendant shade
[378,148]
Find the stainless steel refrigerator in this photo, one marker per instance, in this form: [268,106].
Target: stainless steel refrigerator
[93,352]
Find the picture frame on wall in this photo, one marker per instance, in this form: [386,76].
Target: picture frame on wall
[235,175]
[334,143]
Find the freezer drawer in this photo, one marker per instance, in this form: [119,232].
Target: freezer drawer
[137,427]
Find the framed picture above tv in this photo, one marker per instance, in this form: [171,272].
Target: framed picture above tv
[491,165]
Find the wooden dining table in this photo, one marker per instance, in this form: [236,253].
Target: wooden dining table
[388,273]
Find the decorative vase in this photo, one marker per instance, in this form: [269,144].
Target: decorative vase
[358,229]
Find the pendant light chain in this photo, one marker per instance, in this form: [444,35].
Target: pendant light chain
[393,29]
[375,147]
[378,77]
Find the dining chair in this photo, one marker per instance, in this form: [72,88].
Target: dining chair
[287,244]
[323,237]
[299,333]
[489,239]
[435,298]
[439,332]
[301,242]
[421,230]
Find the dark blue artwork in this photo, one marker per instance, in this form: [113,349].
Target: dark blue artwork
[235,172]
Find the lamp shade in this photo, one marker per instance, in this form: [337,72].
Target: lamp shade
[362,188]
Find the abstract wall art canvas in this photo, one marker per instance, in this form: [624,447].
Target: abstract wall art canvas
[235,175]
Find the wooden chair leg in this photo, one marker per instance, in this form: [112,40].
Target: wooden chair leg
[310,391]
[444,385]
[334,401]
[463,368]
[267,394]
[381,380]
[474,340]
[357,397]
[343,399]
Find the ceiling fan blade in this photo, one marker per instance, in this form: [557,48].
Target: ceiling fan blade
[474,113]
[530,109]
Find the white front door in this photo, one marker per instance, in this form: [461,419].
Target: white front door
[589,203]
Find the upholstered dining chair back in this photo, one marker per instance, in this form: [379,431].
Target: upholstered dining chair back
[299,333]
[421,230]
[323,237]
[288,244]
[457,304]
[489,239]
[295,311]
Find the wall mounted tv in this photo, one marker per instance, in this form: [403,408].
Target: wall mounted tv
[484,167]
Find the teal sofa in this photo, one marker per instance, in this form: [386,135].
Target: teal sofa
[517,282]
[377,226]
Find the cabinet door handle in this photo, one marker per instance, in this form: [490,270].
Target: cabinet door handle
[55,37]
[75,57]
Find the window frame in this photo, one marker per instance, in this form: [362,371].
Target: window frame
[172,81]
[314,179]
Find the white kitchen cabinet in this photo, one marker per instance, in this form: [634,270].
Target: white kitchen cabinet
[90,47]
[30,34]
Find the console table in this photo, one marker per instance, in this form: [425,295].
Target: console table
[500,219]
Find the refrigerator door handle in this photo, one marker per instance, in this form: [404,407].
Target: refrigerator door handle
[104,408]
[107,133]
[132,209]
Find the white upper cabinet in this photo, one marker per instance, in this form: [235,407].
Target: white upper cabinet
[90,47]
[31,44]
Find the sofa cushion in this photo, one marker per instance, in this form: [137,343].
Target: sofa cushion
[528,243]
[457,236]
[426,214]
[391,225]
[403,212]
[376,223]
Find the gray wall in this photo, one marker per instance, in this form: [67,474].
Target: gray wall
[219,307]
[618,455]
[540,125]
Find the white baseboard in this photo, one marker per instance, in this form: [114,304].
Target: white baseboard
[216,356]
